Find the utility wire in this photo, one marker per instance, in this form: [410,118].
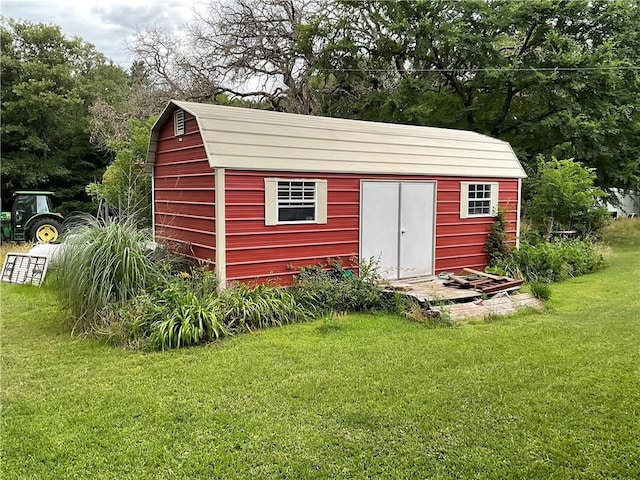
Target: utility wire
[456,70]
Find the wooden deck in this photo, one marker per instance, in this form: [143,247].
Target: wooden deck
[498,305]
[464,303]
[432,289]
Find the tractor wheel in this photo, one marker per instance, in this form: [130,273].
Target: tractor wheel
[46,230]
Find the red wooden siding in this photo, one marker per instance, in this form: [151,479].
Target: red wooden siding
[256,251]
[184,195]
[184,215]
[460,242]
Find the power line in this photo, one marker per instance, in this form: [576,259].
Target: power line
[502,69]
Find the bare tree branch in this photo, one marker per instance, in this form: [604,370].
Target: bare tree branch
[242,48]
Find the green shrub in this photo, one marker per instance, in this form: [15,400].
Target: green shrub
[339,290]
[552,261]
[496,245]
[563,196]
[103,266]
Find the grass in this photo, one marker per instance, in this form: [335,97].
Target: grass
[536,395]
[623,232]
[13,247]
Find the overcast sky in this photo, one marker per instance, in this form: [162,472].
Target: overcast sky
[107,24]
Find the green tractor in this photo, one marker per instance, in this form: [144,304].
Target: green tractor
[31,218]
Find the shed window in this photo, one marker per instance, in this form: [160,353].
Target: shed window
[478,199]
[178,122]
[295,201]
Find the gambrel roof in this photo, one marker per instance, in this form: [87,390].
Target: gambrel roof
[244,138]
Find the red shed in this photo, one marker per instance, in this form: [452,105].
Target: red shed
[260,193]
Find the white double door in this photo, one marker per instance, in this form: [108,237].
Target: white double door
[397,222]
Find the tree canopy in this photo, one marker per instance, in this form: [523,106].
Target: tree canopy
[254,49]
[125,188]
[49,83]
[564,197]
[552,77]
[560,78]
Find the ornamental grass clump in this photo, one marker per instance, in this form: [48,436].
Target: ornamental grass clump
[103,265]
[190,322]
[247,308]
[185,311]
[540,290]
[624,232]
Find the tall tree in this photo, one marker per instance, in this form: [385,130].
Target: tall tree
[112,121]
[257,49]
[49,83]
[563,197]
[125,188]
[558,77]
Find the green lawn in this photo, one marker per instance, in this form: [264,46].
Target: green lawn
[538,395]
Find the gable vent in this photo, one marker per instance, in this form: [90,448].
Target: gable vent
[178,122]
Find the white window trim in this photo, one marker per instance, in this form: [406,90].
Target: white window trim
[271,201]
[464,199]
[178,122]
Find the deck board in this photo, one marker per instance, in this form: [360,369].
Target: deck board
[432,289]
[463,302]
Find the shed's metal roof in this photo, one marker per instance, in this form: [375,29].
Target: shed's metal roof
[253,139]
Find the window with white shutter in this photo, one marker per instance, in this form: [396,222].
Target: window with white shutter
[478,199]
[295,201]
